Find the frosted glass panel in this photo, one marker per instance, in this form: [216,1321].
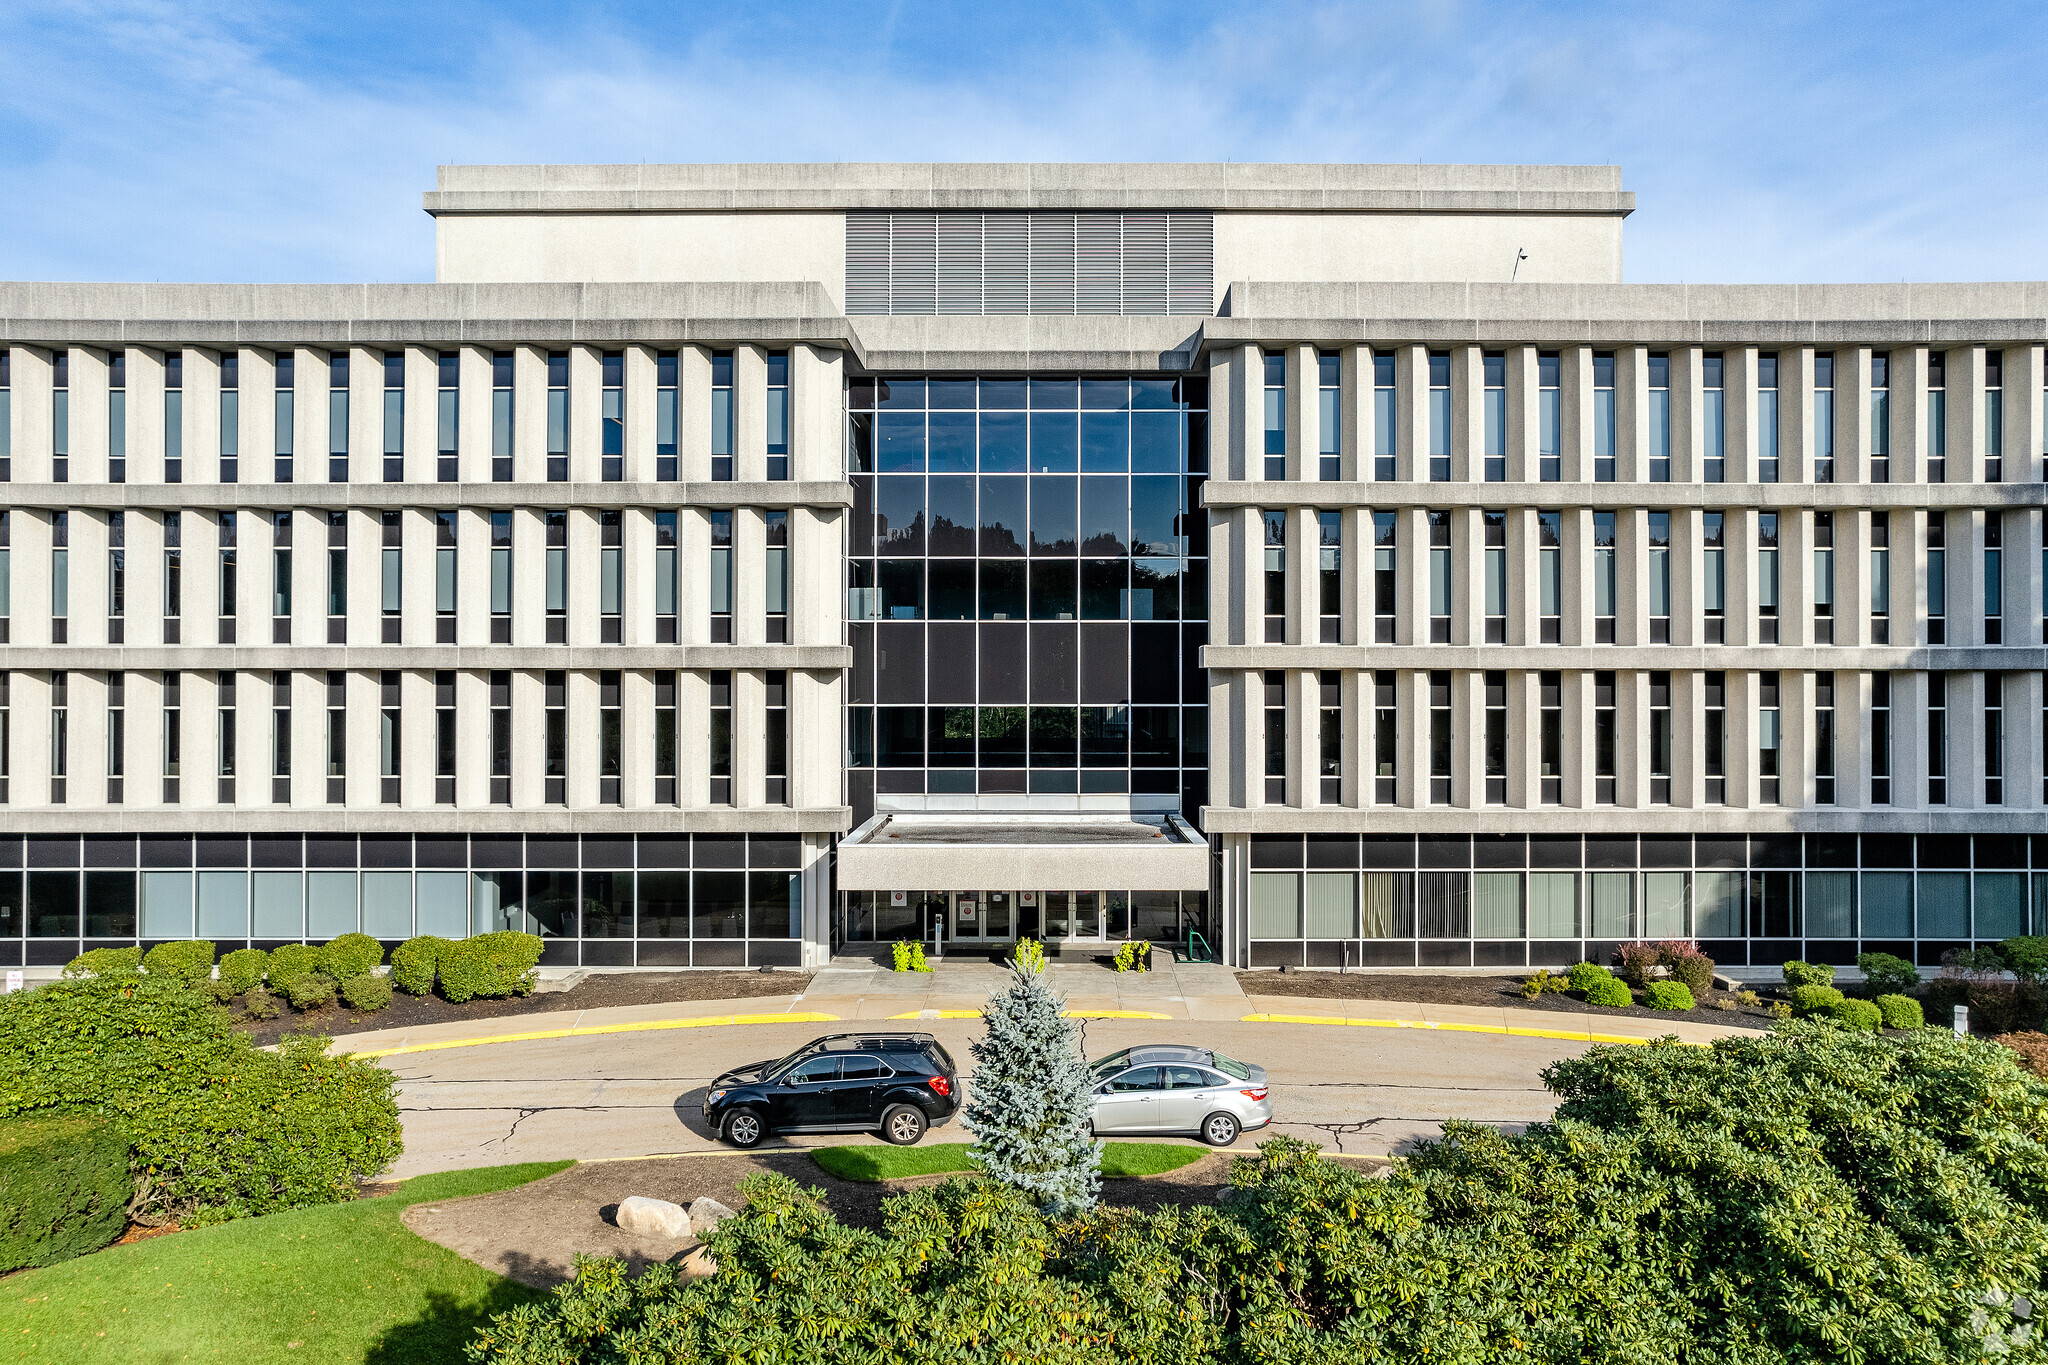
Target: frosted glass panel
[1553,905]
[1613,904]
[1887,905]
[1276,905]
[1496,905]
[1944,905]
[2001,904]
[442,904]
[387,904]
[223,905]
[1831,904]
[1330,905]
[279,903]
[1664,905]
[330,904]
[167,905]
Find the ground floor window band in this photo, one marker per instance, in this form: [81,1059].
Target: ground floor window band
[975,917]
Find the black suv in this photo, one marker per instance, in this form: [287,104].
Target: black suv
[897,1084]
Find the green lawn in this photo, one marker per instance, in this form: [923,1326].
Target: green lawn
[880,1162]
[340,1283]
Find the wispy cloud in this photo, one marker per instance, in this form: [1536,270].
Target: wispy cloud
[150,140]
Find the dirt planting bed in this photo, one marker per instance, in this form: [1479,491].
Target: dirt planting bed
[1494,992]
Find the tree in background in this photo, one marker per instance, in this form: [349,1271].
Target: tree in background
[1030,1104]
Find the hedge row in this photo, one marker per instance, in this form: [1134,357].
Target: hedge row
[64,1188]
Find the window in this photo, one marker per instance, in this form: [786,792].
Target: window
[394,416]
[1329,416]
[227,528]
[1439,417]
[721,737]
[1550,735]
[665,416]
[1549,418]
[778,415]
[1994,739]
[1880,739]
[1496,569]
[775,736]
[1767,417]
[1881,417]
[1550,577]
[611,578]
[1660,417]
[1823,578]
[1714,418]
[390,735]
[555,737]
[1330,749]
[612,418]
[1994,577]
[1440,738]
[1767,578]
[117,417]
[172,735]
[1824,417]
[230,416]
[1275,683]
[1276,417]
[1880,578]
[1937,417]
[1385,413]
[665,736]
[1439,578]
[501,416]
[1660,738]
[117,577]
[60,418]
[1994,417]
[664,578]
[337,737]
[337,578]
[558,417]
[721,578]
[281,737]
[1605,728]
[281,419]
[444,577]
[1937,739]
[6,429]
[448,417]
[1496,737]
[1603,578]
[1383,581]
[1769,729]
[117,736]
[1275,522]
[1714,576]
[1937,578]
[1494,366]
[224,738]
[1386,749]
[337,417]
[6,571]
[610,776]
[501,578]
[722,416]
[174,576]
[60,737]
[392,575]
[445,737]
[1824,739]
[775,526]
[1329,575]
[1603,417]
[556,525]
[60,578]
[501,737]
[1659,567]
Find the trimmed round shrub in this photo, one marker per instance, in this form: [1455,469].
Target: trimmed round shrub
[242,970]
[1814,999]
[1884,974]
[489,966]
[309,992]
[414,962]
[291,961]
[189,961]
[105,962]
[1611,993]
[1900,1011]
[1584,974]
[1799,974]
[64,1188]
[351,955]
[1861,1016]
[261,1004]
[1690,968]
[366,993]
[1667,995]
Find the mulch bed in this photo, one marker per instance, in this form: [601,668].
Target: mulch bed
[531,1234]
[1493,992]
[597,991]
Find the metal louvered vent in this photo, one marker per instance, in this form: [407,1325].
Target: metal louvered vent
[964,264]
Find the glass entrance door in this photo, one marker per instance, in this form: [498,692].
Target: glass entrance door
[1072,914]
[983,916]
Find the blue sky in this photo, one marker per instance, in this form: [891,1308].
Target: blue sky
[189,141]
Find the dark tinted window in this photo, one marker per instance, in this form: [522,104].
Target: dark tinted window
[861,1069]
[816,1071]
[1142,1078]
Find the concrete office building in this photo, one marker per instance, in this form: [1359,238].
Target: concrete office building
[731,565]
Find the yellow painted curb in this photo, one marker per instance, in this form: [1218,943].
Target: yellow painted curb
[1567,1034]
[1070,1014]
[939,1014]
[707,1021]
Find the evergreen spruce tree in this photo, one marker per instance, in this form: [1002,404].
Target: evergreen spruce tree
[1030,1103]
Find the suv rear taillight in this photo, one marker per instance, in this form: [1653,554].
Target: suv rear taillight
[1258,1094]
[940,1085]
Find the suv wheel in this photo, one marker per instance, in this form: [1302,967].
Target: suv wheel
[744,1128]
[1219,1130]
[903,1124]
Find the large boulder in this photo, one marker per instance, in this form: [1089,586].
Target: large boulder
[706,1214]
[653,1218]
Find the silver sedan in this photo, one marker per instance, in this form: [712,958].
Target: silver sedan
[1168,1088]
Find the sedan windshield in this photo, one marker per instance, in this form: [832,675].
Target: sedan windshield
[1114,1062]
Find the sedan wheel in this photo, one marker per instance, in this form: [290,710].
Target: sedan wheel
[1219,1130]
[745,1129]
[903,1125]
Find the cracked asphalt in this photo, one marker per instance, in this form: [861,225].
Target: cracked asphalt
[1367,1091]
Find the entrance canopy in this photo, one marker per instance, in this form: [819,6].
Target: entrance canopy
[1076,852]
